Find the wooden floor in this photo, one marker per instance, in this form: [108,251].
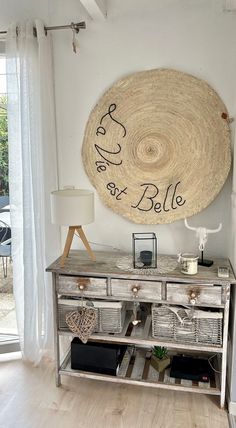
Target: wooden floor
[30,399]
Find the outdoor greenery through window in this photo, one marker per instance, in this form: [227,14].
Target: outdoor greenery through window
[4,186]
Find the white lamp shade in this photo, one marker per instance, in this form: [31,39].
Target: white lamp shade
[72,207]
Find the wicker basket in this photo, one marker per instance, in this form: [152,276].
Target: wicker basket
[110,315]
[177,324]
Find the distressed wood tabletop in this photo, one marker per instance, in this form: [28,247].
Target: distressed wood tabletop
[79,263]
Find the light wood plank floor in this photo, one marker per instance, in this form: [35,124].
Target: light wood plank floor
[30,399]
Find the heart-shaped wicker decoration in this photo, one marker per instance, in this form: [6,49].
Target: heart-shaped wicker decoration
[82,322]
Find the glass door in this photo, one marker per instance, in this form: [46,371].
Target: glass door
[9,340]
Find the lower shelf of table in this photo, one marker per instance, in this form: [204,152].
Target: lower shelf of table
[135,369]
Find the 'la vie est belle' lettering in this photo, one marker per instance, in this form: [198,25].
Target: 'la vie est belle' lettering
[108,157]
[147,202]
[116,191]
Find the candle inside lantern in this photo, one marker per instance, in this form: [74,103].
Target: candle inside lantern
[146,257]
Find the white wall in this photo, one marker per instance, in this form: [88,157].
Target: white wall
[189,35]
[16,10]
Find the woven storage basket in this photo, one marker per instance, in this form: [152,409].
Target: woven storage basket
[110,315]
[175,324]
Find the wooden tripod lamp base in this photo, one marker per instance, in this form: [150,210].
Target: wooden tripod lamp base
[69,239]
[73,206]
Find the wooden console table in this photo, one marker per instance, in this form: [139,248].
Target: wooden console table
[103,280]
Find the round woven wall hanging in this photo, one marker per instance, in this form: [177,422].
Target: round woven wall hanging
[157,146]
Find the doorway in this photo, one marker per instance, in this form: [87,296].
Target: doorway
[9,340]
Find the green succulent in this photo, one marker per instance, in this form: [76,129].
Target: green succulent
[160,352]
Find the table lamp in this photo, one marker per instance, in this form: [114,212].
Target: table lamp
[73,208]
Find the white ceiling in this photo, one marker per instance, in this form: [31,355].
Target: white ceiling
[97,9]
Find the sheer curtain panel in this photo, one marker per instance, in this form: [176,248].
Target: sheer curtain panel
[32,176]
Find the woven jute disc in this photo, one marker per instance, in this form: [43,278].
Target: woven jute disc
[157,146]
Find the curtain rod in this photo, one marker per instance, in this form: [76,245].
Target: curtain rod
[75,27]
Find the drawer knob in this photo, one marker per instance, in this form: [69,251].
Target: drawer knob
[81,287]
[193,298]
[135,290]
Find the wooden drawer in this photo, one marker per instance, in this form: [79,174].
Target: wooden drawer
[192,293]
[129,289]
[81,285]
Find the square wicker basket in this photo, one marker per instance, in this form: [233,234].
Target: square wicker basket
[110,315]
[177,324]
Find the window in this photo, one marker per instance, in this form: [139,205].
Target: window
[4,187]
[9,340]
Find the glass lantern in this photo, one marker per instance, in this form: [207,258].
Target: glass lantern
[144,250]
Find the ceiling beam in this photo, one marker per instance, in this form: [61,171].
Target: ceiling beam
[97,9]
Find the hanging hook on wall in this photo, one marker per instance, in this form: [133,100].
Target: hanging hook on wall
[75,29]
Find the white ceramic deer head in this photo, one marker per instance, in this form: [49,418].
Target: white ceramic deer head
[201,233]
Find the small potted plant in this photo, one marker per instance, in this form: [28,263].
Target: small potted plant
[159,358]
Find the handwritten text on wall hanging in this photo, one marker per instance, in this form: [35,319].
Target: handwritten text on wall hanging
[149,198]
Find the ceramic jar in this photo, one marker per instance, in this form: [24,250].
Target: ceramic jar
[188,263]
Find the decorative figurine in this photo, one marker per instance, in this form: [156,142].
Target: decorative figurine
[201,234]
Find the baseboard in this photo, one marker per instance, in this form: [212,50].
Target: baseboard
[231,419]
[232,407]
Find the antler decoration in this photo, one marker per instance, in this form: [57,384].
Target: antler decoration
[201,233]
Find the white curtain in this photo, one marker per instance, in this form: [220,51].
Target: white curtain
[32,175]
